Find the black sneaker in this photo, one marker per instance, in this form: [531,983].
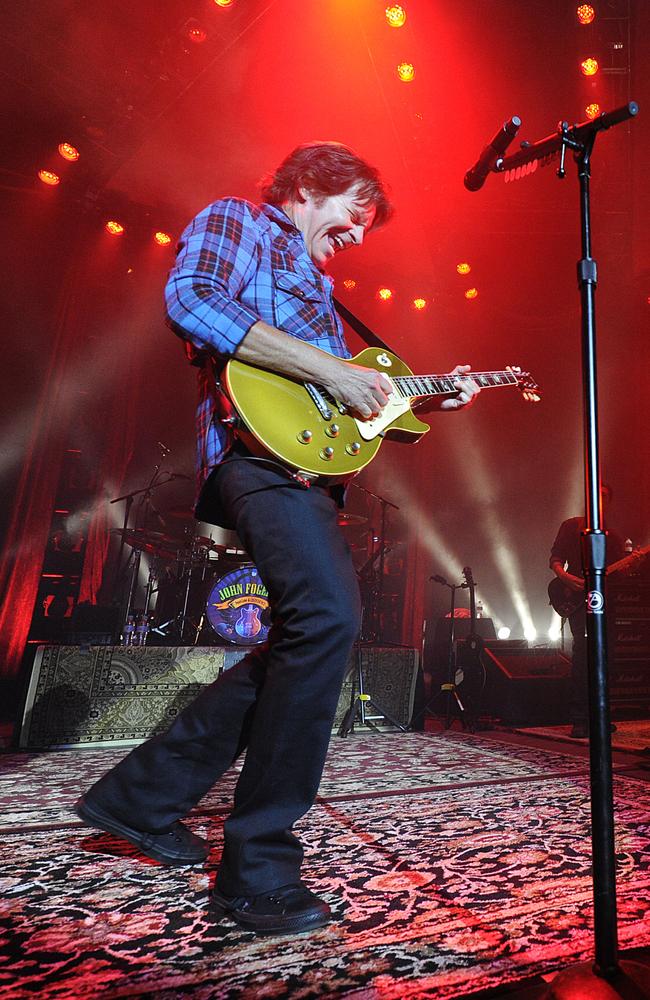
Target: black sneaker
[291,909]
[176,846]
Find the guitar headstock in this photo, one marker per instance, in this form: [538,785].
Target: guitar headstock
[526,384]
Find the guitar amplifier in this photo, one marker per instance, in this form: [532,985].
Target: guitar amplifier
[631,638]
[526,686]
[629,600]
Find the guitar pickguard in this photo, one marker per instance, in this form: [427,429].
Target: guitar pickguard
[370,429]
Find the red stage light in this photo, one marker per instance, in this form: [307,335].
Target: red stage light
[349,284]
[162,239]
[471,293]
[463,268]
[68,151]
[419,304]
[49,177]
[195,32]
[406,72]
[395,15]
[114,228]
[592,111]
[589,66]
[585,13]
[384,294]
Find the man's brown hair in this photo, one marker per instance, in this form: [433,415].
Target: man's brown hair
[328,168]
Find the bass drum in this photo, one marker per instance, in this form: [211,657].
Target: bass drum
[238,607]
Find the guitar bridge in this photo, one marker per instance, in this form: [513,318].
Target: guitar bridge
[319,399]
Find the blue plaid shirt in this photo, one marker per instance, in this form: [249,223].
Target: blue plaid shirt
[238,263]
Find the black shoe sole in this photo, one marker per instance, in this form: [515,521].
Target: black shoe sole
[100,820]
[297,923]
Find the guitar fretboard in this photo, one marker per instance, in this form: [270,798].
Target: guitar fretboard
[441,385]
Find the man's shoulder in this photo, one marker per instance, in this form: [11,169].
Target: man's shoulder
[573,523]
[235,208]
[568,530]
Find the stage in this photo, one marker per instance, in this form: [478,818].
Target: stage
[454,863]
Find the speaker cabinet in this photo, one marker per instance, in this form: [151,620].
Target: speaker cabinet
[526,686]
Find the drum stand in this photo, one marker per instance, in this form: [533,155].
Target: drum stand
[178,624]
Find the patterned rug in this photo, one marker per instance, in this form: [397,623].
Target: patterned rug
[631,735]
[454,863]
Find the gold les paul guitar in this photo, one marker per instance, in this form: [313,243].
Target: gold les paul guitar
[313,434]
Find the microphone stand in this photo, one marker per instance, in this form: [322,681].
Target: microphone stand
[376,562]
[449,687]
[146,493]
[585,979]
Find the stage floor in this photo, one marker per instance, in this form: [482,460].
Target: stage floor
[454,862]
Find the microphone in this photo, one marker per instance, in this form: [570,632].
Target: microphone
[163,447]
[492,154]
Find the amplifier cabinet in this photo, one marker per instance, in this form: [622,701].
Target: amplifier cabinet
[526,686]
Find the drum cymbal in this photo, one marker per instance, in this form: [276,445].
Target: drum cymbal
[178,514]
[348,520]
[154,543]
[144,534]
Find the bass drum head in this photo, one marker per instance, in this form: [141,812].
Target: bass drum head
[238,607]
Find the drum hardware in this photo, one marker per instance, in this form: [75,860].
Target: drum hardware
[192,568]
[192,562]
[347,520]
[125,582]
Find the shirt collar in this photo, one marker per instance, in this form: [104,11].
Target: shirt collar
[281,219]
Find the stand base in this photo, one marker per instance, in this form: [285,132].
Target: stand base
[581,983]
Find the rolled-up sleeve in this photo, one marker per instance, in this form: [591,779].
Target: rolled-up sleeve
[218,255]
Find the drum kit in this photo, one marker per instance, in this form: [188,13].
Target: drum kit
[196,583]
[202,587]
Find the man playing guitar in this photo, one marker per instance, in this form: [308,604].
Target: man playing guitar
[249,284]
[566,563]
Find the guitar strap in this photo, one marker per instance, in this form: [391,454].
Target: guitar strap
[366,334]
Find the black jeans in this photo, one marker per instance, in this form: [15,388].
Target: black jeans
[278,703]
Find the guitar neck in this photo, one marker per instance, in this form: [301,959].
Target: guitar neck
[628,561]
[442,385]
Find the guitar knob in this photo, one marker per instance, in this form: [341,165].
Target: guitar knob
[327,454]
[353,448]
[333,430]
[305,436]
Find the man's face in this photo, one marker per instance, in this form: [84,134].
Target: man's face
[332,223]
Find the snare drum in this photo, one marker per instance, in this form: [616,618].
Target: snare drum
[238,607]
